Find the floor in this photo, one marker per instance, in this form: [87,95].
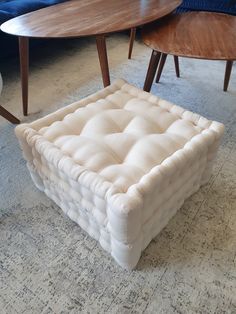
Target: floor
[49,265]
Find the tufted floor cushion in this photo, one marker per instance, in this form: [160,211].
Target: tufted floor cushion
[120,163]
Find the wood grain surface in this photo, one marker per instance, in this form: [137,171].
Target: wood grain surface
[203,35]
[77,18]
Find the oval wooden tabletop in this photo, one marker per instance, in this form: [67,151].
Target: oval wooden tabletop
[203,35]
[77,18]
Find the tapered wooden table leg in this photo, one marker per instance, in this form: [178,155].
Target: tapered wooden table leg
[131,41]
[102,54]
[176,60]
[228,70]
[7,115]
[152,68]
[161,66]
[24,68]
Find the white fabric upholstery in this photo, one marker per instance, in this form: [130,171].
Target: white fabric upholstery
[120,163]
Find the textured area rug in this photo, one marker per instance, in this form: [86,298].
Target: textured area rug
[49,265]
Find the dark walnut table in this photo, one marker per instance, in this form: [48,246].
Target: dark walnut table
[77,18]
[202,35]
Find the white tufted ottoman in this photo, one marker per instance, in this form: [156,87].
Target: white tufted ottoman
[120,163]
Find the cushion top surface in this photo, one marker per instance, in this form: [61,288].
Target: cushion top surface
[121,135]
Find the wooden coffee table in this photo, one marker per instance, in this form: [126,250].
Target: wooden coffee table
[77,18]
[202,35]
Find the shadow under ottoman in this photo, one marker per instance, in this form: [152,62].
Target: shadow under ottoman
[120,163]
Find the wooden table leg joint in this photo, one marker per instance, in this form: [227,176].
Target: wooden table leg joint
[24,69]
[153,64]
[7,115]
[228,69]
[161,66]
[131,41]
[103,59]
